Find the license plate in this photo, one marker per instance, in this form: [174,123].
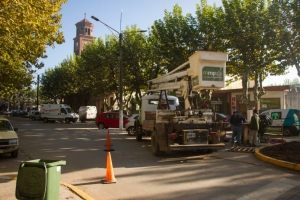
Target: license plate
[190,135]
[1,151]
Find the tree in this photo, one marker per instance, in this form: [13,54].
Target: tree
[249,32]
[98,67]
[136,64]
[173,40]
[61,81]
[286,14]
[26,28]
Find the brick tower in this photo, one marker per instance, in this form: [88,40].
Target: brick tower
[84,34]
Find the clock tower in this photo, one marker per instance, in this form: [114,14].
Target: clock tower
[84,34]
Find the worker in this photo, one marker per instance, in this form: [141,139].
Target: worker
[254,127]
[236,121]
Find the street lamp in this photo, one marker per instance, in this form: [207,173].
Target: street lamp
[121,70]
[37,92]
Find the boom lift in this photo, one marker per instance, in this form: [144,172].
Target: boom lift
[192,127]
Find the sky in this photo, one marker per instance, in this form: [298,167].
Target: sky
[142,13]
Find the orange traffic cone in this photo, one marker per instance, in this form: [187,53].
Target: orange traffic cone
[108,144]
[110,176]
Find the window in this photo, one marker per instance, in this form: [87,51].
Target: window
[87,31]
[269,103]
[155,101]
[62,110]
[276,115]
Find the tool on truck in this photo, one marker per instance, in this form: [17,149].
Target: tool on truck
[191,126]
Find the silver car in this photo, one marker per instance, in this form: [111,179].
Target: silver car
[129,126]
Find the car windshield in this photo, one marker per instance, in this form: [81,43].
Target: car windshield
[69,110]
[222,115]
[5,126]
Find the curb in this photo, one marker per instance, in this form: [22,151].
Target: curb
[274,161]
[77,191]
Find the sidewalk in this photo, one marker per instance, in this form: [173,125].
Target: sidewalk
[8,184]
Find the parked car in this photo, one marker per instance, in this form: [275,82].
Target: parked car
[129,126]
[9,142]
[7,112]
[18,113]
[36,116]
[225,119]
[109,120]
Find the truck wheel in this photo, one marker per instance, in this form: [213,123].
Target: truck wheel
[130,131]
[67,120]
[14,154]
[155,145]
[286,131]
[101,126]
[45,120]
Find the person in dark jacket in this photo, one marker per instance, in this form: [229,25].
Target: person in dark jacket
[236,121]
[254,127]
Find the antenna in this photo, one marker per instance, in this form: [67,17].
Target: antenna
[121,20]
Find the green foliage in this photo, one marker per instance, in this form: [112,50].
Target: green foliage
[26,28]
[173,40]
[61,81]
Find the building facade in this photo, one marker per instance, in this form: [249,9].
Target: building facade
[84,34]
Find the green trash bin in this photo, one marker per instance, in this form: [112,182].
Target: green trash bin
[39,179]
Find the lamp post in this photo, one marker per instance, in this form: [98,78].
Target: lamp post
[37,92]
[121,70]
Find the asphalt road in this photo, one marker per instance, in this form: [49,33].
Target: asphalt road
[139,174]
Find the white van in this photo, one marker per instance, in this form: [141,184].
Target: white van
[286,120]
[87,113]
[58,112]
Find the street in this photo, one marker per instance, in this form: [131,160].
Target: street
[139,174]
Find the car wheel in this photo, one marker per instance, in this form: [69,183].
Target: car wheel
[33,118]
[130,130]
[14,154]
[154,145]
[286,131]
[45,120]
[67,120]
[101,126]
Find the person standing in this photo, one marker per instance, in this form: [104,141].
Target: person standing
[254,127]
[236,121]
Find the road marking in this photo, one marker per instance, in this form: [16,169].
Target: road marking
[271,190]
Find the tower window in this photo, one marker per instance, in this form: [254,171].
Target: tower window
[87,31]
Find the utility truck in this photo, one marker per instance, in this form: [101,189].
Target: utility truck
[58,112]
[190,126]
